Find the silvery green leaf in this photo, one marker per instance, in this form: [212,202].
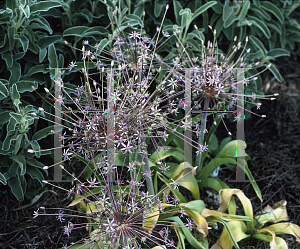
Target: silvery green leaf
[3,90]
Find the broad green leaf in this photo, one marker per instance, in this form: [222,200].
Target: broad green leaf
[187,180]
[276,73]
[26,85]
[3,179]
[260,12]
[213,145]
[133,20]
[25,42]
[180,237]
[37,69]
[260,24]
[61,60]
[203,8]
[228,14]
[274,25]
[13,121]
[42,54]
[40,23]
[11,39]
[45,6]
[14,92]
[190,238]
[258,44]
[227,217]
[194,45]
[273,214]
[186,16]
[278,52]
[230,149]
[20,160]
[256,55]
[75,31]
[273,9]
[4,117]
[13,169]
[8,139]
[199,221]
[138,11]
[175,192]
[233,232]
[25,10]
[101,45]
[44,42]
[244,10]
[196,205]
[91,192]
[219,26]
[15,186]
[282,37]
[213,164]
[3,90]
[52,56]
[35,174]
[43,133]
[158,7]
[83,13]
[36,147]
[8,57]
[15,73]
[175,152]
[229,32]
[286,228]
[33,162]
[218,8]
[177,9]
[18,143]
[92,31]
[279,242]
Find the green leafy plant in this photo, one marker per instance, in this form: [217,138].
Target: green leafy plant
[255,226]
[19,169]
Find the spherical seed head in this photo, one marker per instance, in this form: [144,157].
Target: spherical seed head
[45,167]
[30,151]
[41,109]
[46,90]
[167,6]
[33,87]
[263,116]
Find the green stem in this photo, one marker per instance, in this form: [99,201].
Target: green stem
[201,136]
[149,181]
